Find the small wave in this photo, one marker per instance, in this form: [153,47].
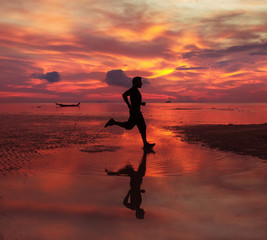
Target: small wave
[100,148]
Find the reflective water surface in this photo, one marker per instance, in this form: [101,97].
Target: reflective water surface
[54,185]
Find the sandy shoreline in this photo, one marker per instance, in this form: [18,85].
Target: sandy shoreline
[25,138]
[61,191]
[241,139]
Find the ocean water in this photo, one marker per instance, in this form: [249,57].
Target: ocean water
[44,137]
[186,113]
[54,185]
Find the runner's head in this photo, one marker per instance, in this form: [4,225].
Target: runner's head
[137,82]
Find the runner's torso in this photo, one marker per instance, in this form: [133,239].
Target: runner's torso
[135,98]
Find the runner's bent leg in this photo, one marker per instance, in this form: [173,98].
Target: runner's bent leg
[129,124]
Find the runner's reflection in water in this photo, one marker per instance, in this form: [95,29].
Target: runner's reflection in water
[133,199]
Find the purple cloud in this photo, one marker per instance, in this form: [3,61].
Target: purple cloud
[190,68]
[210,53]
[119,78]
[50,76]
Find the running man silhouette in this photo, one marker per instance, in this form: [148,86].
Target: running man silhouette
[136,117]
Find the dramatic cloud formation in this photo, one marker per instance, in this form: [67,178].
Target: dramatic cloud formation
[186,50]
[50,76]
[117,78]
[252,49]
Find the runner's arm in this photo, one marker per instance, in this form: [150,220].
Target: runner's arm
[125,98]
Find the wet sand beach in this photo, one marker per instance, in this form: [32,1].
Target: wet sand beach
[241,139]
[63,206]
[53,184]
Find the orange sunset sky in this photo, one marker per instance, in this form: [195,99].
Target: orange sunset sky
[88,50]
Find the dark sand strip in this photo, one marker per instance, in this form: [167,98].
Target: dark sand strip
[23,138]
[241,139]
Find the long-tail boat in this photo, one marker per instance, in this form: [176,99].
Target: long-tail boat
[68,105]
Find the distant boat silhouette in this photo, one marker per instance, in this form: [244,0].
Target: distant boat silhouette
[68,105]
[168,101]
